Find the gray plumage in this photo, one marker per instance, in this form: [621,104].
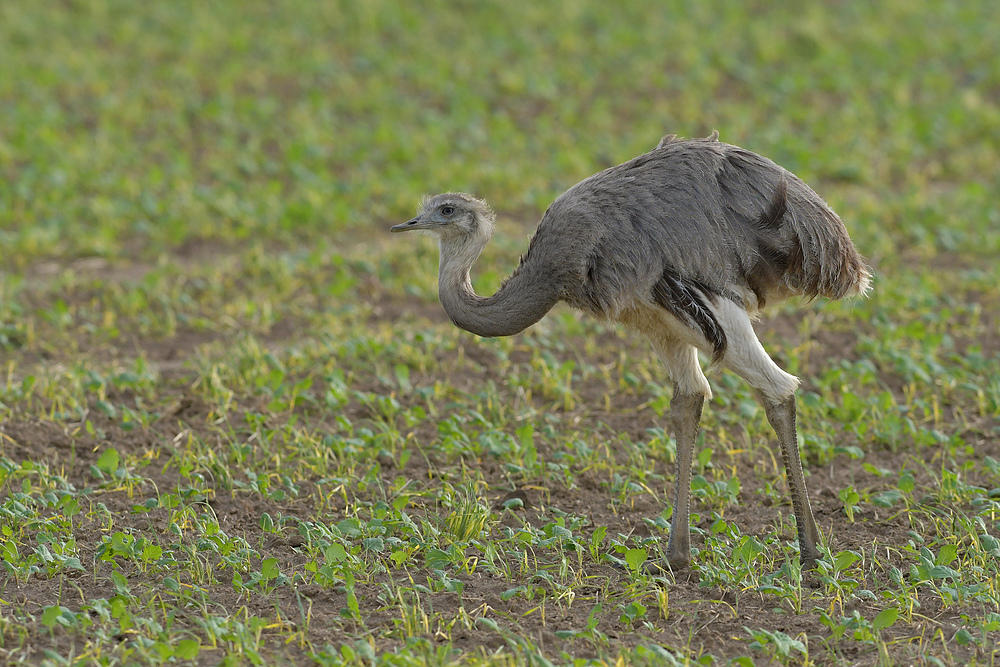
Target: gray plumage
[684,243]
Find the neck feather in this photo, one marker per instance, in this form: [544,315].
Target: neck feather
[522,300]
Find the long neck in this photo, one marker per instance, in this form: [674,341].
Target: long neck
[522,300]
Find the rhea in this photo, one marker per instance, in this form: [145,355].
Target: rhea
[685,244]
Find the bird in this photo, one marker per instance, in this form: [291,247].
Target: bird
[684,244]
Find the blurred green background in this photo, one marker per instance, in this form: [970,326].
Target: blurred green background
[129,131]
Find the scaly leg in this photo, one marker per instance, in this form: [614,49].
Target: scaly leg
[748,359]
[690,391]
[781,415]
[685,415]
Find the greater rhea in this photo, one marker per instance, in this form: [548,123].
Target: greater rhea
[684,244]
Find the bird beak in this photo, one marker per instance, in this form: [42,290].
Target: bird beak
[415,223]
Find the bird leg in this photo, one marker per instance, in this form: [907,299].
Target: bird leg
[746,357]
[781,415]
[685,415]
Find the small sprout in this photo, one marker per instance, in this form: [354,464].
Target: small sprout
[632,612]
[850,498]
[634,558]
[776,643]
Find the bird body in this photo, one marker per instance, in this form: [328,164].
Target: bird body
[708,213]
[684,244]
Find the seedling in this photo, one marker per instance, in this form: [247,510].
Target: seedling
[850,498]
[776,644]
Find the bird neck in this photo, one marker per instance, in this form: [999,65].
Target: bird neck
[522,299]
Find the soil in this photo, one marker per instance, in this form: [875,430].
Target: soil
[701,617]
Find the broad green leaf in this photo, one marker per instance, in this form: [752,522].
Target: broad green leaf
[50,616]
[948,553]
[269,568]
[109,460]
[187,649]
[634,558]
[335,553]
[885,619]
[844,560]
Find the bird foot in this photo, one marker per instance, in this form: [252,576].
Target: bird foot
[808,557]
[680,568]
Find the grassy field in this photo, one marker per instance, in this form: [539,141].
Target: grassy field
[236,426]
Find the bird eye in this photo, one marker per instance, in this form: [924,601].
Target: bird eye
[447,211]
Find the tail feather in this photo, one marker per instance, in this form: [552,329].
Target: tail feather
[827,263]
[796,241]
[775,213]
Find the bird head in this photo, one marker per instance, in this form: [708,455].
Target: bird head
[453,217]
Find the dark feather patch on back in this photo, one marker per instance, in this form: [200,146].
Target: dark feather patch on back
[685,300]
